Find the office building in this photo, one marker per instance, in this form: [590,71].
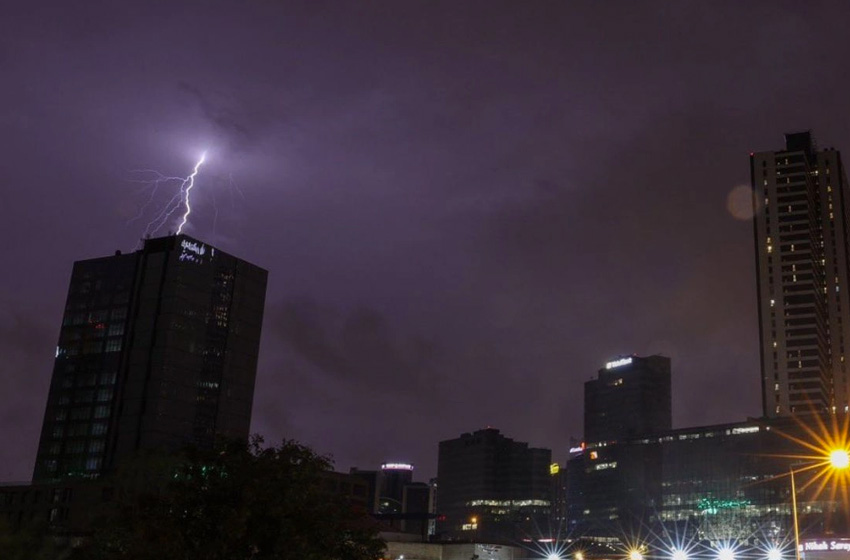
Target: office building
[157,349]
[726,483]
[630,396]
[396,500]
[801,237]
[492,488]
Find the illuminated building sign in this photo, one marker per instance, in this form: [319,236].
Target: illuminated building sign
[714,505]
[193,251]
[197,248]
[618,363]
[396,467]
[835,544]
[554,468]
[745,430]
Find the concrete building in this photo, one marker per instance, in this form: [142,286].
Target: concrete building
[157,349]
[492,488]
[801,226]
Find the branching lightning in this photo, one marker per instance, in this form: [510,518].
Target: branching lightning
[181,198]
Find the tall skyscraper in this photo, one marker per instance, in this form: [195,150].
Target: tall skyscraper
[801,237]
[631,396]
[492,488]
[158,349]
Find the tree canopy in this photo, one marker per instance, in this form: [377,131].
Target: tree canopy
[238,501]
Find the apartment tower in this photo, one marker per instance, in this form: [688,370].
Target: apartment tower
[801,237]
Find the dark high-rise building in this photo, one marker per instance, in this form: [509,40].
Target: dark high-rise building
[157,349]
[801,236]
[492,488]
[630,396]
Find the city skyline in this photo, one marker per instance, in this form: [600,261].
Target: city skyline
[464,212]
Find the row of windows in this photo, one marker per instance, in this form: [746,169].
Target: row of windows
[86,396]
[80,429]
[88,379]
[77,465]
[90,347]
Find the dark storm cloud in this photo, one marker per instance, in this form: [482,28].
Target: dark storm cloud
[24,350]
[361,346]
[465,207]
[229,120]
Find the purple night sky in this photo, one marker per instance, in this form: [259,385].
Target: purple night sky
[466,208]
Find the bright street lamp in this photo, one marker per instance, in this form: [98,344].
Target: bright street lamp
[679,554]
[634,554]
[774,554]
[725,553]
[838,459]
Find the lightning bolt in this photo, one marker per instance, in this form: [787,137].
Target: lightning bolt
[187,189]
[179,199]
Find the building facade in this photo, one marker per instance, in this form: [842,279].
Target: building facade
[709,485]
[631,396]
[801,237]
[157,349]
[492,488]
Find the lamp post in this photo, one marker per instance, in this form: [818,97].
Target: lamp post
[838,459]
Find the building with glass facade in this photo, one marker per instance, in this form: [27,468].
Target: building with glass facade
[725,483]
[157,349]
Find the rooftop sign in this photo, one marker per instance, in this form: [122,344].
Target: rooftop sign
[396,467]
[618,363]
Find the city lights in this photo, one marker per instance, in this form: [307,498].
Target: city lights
[839,459]
[678,554]
[774,554]
[726,553]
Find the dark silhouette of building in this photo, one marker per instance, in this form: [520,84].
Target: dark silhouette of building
[492,488]
[158,349]
[630,396]
[396,500]
[802,241]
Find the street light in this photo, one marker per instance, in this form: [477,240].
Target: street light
[837,460]
[679,554]
[726,553]
[634,554]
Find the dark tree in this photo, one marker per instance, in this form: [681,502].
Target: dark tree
[237,502]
